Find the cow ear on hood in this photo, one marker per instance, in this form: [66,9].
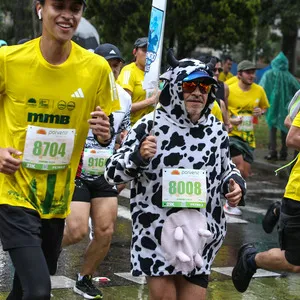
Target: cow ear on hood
[173,62]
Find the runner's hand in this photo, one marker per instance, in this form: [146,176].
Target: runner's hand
[235,193]
[100,125]
[148,147]
[154,98]
[8,164]
[257,112]
[236,120]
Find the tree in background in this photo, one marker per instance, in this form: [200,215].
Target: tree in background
[285,16]
[20,14]
[216,24]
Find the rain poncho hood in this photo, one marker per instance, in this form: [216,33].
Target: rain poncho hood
[280,86]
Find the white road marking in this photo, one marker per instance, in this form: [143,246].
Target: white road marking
[125,193]
[128,276]
[259,273]
[61,282]
[124,212]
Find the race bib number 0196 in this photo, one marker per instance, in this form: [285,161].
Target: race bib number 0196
[184,188]
[48,148]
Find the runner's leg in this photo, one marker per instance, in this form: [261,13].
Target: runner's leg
[162,287]
[187,290]
[103,214]
[52,234]
[32,280]
[243,166]
[76,227]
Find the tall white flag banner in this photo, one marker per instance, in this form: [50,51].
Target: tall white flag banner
[155,44]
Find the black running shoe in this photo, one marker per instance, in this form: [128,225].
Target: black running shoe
[270,219]
[242,273]
[86,288]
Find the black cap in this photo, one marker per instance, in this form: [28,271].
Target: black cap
[141,42]
[109,51]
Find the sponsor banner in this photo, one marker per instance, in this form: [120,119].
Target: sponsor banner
[155,44]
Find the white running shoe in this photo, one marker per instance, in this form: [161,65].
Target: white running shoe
[234,211]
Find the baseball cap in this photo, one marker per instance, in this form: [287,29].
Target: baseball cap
[141,42]
[109,51]
[245,65]
[200,74]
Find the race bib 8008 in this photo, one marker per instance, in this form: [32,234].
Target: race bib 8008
[184,188]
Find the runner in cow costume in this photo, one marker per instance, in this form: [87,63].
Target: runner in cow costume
[178,165]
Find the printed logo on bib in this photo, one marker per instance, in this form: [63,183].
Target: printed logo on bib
[48,148]
[247,124]
[94,161]
[184,188]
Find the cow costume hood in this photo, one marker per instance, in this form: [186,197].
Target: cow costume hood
[171,97]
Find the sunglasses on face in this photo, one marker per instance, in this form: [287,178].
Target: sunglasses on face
[218,69]
[190,86]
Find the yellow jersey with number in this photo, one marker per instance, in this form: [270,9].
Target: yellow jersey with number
[241,104]
[292,189]
[131,78]
[37,93]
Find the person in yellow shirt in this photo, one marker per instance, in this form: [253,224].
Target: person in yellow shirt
[287,257]
[131,80]
[246,99]
[227,64]
[217,112]
[52,91]
[232,80]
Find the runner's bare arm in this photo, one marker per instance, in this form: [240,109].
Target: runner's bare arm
[293,138]
[144,103]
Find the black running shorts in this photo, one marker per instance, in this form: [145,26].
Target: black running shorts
[289,230]
[22,227]
[85,190]
[200,280]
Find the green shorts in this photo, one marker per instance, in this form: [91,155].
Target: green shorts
[239,147]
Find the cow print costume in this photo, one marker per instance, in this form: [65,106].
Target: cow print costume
[180,144]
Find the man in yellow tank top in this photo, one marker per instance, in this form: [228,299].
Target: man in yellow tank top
[52,91]
[131,80]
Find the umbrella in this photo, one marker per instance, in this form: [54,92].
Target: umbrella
[86,35]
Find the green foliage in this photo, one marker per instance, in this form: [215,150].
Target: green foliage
[20,14]
[285,16]
[216,24]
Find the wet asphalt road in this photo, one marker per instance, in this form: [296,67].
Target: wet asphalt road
[263,189]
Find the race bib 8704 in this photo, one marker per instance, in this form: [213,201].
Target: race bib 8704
[48,148]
